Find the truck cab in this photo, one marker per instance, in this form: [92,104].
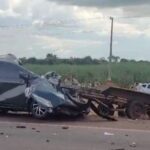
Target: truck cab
[143,87]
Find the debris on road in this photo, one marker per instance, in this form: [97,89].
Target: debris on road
[133,145]
[118,149]
[21,127]
[65,127]
[109,134]
[112,143]
[54,134]
[47,140]
[1,133]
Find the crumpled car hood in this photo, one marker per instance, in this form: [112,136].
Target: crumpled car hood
[41,89]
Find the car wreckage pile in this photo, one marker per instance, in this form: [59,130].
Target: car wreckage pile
[23,90]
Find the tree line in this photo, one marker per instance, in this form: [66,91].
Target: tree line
[53,59]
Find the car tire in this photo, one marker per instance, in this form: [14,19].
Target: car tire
[38,111]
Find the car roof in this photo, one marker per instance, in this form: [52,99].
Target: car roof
[10,58]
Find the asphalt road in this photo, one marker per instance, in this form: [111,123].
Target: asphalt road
[21,132]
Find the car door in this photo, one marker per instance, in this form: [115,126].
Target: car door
[12,87]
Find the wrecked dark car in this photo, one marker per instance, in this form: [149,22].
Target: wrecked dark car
[22,90]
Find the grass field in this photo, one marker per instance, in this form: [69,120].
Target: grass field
[123,74]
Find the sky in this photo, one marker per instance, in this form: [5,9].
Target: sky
[75,28]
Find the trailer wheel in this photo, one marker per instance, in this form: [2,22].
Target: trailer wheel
[135,109]
[122,113]
[106,111]
[95,109]
[148,113]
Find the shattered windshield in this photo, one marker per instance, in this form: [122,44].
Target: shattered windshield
[43,85]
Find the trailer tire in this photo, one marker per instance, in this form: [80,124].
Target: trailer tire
[95,109]
[107,111]
[135,109]
[148,113]
[122,113]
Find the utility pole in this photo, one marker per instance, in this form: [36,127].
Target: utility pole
[110,54]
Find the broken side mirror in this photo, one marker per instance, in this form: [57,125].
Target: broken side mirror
[25,77]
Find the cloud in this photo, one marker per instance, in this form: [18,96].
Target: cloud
[101,26]
[129,7]
[140,10]
[103,3]
[4,4]
[64,47]
[127,30]
[7,7]
[37,27]
[8,13]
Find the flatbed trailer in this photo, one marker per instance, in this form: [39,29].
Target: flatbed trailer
[135,104]
[105,103]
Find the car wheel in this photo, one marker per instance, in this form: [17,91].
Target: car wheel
[38,111]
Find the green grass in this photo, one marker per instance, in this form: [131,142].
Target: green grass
[123,74]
